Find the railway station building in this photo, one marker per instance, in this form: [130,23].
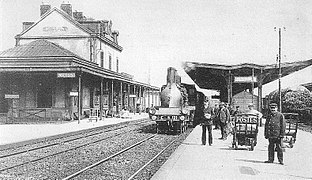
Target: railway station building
[68,66]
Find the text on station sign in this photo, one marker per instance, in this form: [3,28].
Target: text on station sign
[11,96]
[66,75]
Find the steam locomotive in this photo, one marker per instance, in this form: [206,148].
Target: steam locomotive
[178,105]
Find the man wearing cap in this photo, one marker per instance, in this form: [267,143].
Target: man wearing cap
[206,123]
[224,118]
[237,111]
[252,111]
[274,130]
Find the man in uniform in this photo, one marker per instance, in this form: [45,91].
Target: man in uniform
[237,111]
[223,118]
[206,123]
[274,130]
[215,119]
[252,111]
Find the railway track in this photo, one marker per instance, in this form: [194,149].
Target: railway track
[59,138]
[66,149]
[106,159]
[99,169]
[104,153]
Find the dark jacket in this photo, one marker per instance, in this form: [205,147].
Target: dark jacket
[224,115]
[205,120]
[275,125]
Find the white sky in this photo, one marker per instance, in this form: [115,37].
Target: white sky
[163,33]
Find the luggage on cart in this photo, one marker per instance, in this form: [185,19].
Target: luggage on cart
[291,128]
[245,131]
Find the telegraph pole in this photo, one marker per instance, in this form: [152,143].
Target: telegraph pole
[279,69]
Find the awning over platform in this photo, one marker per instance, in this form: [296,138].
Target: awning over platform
[214,76]
[232,79]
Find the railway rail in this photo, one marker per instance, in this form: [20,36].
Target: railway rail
[66,149]
[82,133]
[106,159]
[68,161]
[60,139]
[108,167]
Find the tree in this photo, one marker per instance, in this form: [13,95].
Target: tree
[293,99]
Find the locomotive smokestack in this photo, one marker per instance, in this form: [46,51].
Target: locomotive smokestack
[171,75]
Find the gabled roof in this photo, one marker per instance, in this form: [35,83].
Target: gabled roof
[38,48]
[65,15]
[74,22]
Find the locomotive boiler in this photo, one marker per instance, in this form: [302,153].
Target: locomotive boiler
[175,113]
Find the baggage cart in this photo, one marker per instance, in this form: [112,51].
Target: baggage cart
[245,131]
[291,128]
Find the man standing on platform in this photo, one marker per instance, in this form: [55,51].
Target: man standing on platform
[252,111]
[274,130]
[207,123]
[237,111]
[224,118]
[215,119]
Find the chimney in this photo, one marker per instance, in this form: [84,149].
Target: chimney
[44,8]
[115,35]
[78,15]
[26,25]
[67,8]
[171,75]
[105,27]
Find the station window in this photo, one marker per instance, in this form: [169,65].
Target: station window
[117,65]
[102,59]
[110,62]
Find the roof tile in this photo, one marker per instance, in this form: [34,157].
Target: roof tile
[38,48]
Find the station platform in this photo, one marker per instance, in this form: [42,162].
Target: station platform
[14,133]
[194,161]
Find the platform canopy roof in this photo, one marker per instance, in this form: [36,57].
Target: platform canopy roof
[216,76]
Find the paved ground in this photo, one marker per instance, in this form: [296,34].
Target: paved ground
[12,133]
[219,161]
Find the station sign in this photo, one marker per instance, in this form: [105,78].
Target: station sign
[247,120]
[66,75]
[11,96]
[73,93]
[244,79]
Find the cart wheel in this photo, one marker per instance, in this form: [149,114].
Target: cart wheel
[252,143]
